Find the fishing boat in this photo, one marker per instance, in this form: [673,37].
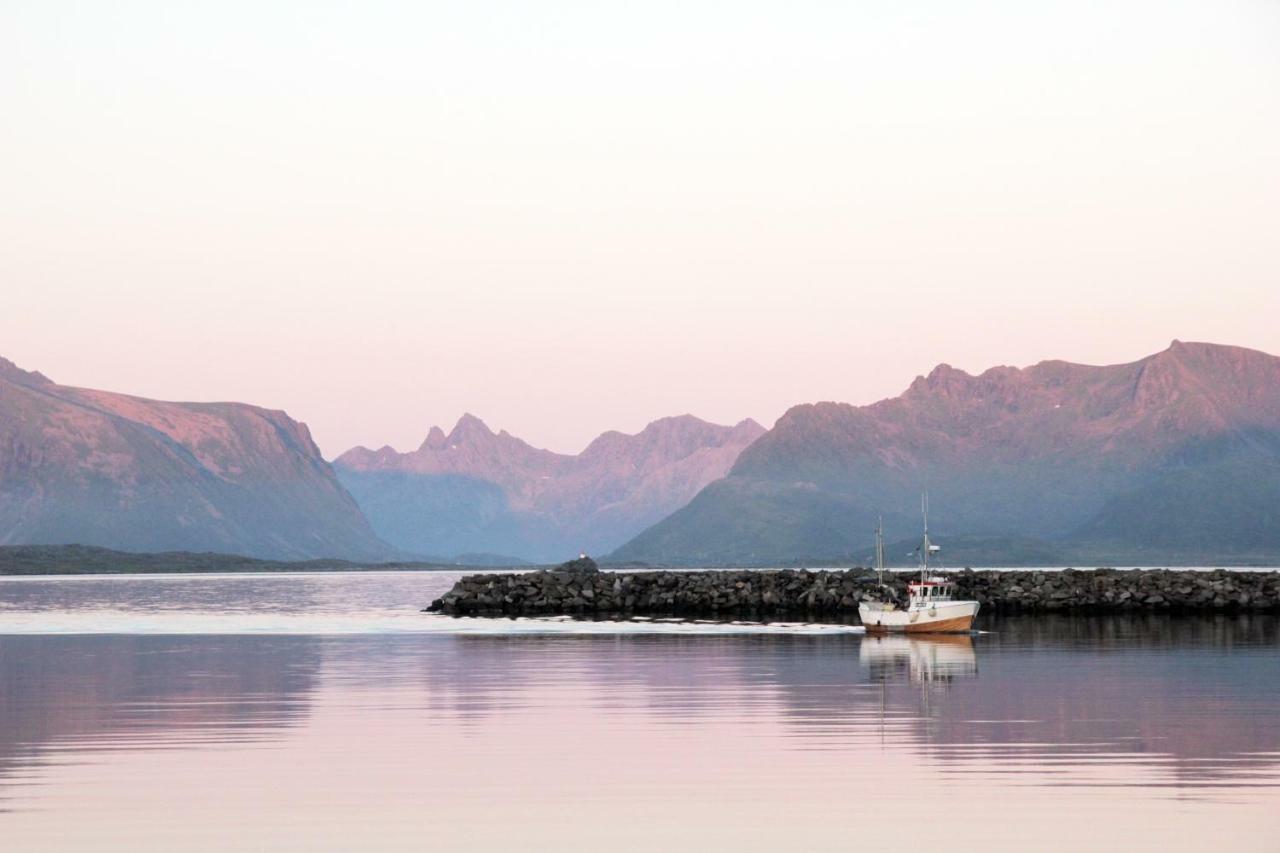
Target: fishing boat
[930,607]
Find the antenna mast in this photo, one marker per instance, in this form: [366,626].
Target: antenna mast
[880,550]
[925,545]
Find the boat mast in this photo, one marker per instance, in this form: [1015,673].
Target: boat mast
[880,550]
[925,545]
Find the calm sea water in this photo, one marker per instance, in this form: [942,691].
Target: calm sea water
[324,712]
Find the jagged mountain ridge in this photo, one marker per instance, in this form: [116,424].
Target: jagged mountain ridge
[476,490]
[79,466]
[1130,460]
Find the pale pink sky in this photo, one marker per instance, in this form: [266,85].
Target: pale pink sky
[585,216]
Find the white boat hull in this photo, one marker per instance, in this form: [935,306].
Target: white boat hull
[940,617]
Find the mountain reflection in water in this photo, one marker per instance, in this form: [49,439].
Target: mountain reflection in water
[1045,733]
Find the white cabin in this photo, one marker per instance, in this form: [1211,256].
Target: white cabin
[924,594]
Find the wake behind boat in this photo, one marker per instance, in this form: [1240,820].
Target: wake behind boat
[930,607]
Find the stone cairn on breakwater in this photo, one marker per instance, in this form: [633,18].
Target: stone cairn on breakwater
[579,589]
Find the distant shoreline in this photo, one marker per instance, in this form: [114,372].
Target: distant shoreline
[59,560]
[30,560]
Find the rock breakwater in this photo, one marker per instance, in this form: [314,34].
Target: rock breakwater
[834,595]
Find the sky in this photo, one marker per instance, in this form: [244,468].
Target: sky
[569,217]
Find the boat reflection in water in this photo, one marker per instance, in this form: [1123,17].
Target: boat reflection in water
[916,674]
[920,659]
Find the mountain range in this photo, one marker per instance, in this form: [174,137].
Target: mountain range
[474,490]
[96,468]
[1175,457]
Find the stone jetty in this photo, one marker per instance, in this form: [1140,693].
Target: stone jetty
[579,589]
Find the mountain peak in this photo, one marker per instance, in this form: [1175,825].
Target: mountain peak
[1202,349]
[1211,361]
[469,428]
[943,379]
[1219,384]
[675,422]
[11,371]
[435,440]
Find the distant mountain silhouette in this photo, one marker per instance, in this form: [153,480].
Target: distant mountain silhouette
[476,491]
[96,468]
[1175,457]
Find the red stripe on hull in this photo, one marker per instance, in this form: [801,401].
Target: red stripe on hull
[938,626]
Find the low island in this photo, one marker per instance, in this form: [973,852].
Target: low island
[91,560]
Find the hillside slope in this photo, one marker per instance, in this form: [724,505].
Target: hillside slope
[1175,457]
[96,468]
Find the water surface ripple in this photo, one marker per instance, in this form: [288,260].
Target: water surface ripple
[325,712]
